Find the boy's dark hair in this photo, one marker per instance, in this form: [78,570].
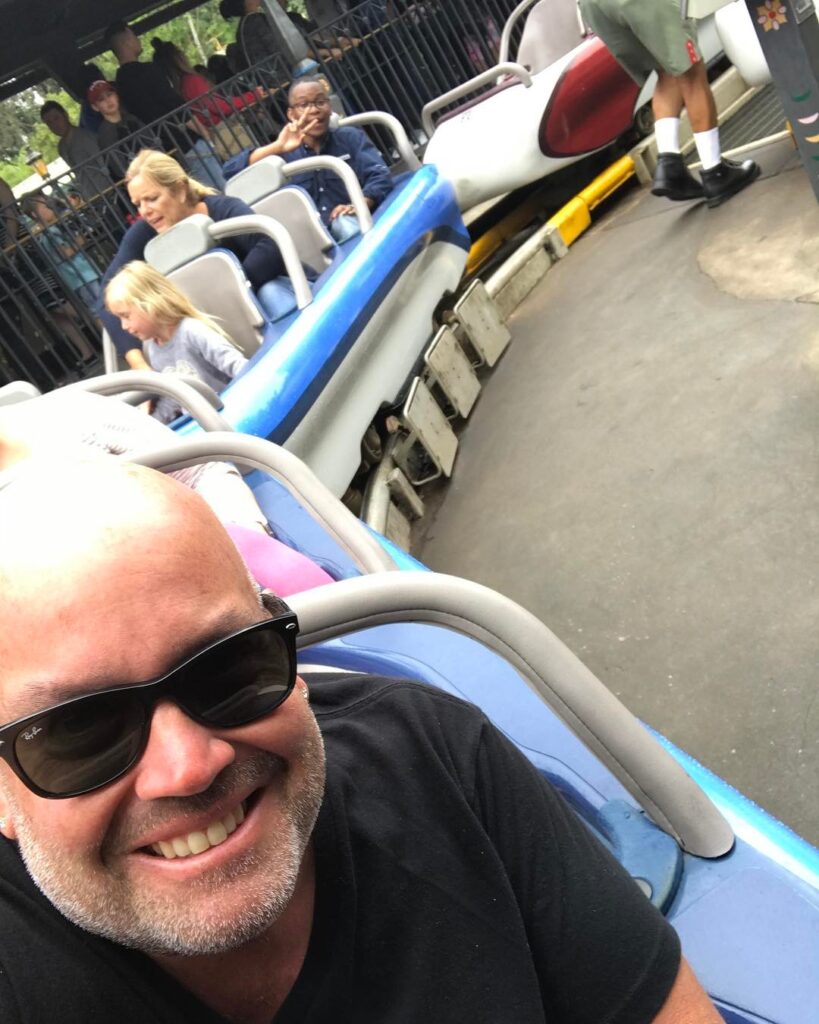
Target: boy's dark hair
[50,105]
[307,80]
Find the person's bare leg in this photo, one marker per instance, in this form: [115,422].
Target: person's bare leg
[671,178]
[721,178]
[667,100]
[698,99]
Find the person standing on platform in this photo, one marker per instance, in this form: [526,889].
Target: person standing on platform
[79,148]
[147,94]
[645,36]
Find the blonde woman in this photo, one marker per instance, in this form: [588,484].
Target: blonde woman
[176,337]
[164,194]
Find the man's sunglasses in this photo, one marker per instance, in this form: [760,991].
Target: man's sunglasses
[86,742]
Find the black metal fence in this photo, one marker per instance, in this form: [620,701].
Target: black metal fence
[55,246]
[396,55]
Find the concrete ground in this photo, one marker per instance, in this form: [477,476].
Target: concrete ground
[641,472]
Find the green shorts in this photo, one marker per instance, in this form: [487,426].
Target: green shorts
[644,35]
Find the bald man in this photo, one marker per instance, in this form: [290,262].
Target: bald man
[177,847]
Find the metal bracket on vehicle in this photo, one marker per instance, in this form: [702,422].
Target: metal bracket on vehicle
[427,430]
[405,505]
[481,322]
[452,371]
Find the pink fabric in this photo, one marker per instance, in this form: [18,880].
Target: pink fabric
[274,565]
[213,107]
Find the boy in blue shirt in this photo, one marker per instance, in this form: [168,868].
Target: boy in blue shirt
[307,133]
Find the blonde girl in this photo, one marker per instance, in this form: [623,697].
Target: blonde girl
[176,337]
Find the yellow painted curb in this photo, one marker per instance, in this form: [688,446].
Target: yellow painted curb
[514,221]
[572,219]
[608,182]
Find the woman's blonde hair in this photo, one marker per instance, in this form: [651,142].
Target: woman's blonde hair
[139,285]
[165,172]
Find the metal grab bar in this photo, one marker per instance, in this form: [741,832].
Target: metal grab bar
[347,175]
[391,124]
[674,801]
[259,224]
[509,68]
[193,395]
[511,21]
[256,453]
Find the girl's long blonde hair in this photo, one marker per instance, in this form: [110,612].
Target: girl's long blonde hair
[139,284]
[165,172]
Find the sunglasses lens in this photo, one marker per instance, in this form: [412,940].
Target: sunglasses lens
[83,745]
[240,680]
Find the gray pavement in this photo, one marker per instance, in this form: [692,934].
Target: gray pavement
[641,472]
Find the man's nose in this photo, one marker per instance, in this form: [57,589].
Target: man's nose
[182,758]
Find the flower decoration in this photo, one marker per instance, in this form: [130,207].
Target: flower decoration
[771,15]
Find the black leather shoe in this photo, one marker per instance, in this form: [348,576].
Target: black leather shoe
[726,179]
[673,180]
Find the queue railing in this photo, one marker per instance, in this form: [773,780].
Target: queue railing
[396,56]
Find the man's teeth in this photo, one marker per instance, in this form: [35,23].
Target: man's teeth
[198,842]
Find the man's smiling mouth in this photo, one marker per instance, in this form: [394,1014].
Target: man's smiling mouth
[191,843]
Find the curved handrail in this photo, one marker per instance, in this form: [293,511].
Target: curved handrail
[511,21]
[192,394]
[258,223]
[674,801]
[256,453]
[509,68]
[392,125]
[347,175]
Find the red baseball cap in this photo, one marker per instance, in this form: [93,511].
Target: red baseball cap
[98,89]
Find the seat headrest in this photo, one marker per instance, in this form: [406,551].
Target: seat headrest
[180,244]
[18,391]
[258,180]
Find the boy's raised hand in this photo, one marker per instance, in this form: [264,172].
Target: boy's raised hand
[294,132]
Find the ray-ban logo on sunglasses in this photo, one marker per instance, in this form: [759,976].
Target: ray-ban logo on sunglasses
[29,734]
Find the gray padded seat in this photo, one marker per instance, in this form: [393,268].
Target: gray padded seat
[211,278]
[552,29]
[263,186]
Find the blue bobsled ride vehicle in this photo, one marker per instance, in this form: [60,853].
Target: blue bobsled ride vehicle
[741,889]
[318,377]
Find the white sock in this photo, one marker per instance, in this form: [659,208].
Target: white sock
[667,134]
[707,144]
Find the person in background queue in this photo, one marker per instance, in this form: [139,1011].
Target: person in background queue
[79,148]
[147,94]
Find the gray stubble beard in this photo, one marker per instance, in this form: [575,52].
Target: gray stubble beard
[123,915]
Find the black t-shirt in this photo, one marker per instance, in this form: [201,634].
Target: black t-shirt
[453,885]
[145,91]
